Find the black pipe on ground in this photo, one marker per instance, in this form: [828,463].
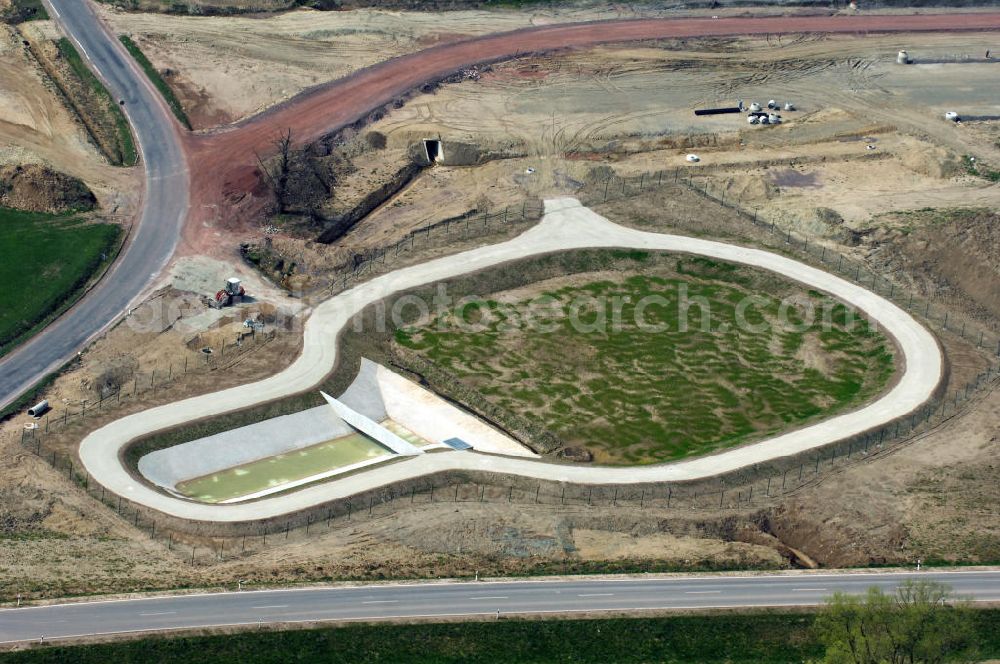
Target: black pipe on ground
[716,111]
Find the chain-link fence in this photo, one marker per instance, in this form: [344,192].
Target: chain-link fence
[453,229]
[145,384]
[749,488]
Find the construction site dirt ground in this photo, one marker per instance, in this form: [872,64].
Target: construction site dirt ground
[569,118]
[226,68]
[929,500]
[629,107]
[37,128]
[932,500]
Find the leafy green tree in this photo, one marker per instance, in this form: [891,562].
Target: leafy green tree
[921,623]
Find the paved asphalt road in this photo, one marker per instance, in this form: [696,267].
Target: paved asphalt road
[153,239]
[461,599]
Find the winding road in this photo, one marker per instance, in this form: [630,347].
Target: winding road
[463,599]
[566,225]
[157,232]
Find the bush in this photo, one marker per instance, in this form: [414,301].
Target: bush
[376,140]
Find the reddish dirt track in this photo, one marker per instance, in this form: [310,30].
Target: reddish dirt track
[225,183]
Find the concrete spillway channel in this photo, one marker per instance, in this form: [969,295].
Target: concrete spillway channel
[566,225]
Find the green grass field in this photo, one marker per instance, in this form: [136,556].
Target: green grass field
[632,396]
[154,76]
[758,638]
[127,154]
[47,261]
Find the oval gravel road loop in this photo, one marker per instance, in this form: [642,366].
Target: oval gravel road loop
[566,225]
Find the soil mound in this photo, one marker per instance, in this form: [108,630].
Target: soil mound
[36,188]
[932,161]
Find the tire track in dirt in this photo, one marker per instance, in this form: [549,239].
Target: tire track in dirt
[223,162]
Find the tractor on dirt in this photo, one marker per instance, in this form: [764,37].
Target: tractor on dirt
[232,294]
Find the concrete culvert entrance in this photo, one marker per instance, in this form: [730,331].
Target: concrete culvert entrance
[434,150]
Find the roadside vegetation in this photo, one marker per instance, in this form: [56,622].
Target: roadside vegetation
[125,153]
[920,623]
[52,258]
[89,100]
[157,80]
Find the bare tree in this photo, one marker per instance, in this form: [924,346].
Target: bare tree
[279,179]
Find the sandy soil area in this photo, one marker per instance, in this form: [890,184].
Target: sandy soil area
[598,103]
[36,127]
[227,68]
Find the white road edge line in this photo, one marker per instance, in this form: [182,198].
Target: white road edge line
[639,579]
[596,595]
[154,630]
[494,597]
[393,617]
